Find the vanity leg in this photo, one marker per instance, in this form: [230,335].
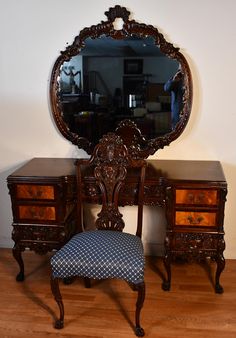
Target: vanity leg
[18,257]
[167,263]
[220,261]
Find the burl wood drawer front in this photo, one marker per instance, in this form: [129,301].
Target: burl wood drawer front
[196,196]
[192,218]
[42,213]
[29,191]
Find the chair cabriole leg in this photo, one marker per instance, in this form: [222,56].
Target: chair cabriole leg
[139,331]
[59,323]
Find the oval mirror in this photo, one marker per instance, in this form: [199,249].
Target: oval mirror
[121,76]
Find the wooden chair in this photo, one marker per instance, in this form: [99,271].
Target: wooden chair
[106,252]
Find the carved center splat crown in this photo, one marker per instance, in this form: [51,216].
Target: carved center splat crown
[113,78]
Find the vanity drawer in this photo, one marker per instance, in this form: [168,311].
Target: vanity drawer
[41,233]
[37,212]
[196,197]
[37,192]
[194,218]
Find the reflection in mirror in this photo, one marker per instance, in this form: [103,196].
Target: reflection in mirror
[122,76]
[112,80]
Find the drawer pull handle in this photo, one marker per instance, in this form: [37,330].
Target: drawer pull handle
[32,193]
[196,221]
[191,198]
[200,198]
[39,193]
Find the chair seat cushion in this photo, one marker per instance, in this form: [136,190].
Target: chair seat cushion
[101,254]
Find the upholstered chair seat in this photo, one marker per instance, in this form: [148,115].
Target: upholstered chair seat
[101,254]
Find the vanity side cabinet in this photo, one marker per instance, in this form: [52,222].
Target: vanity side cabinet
[195,217]
[43,207]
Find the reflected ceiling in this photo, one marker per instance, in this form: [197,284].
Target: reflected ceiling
[129,47]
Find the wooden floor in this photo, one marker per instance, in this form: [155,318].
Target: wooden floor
[190,309]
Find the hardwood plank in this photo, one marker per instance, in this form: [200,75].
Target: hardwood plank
[191,309]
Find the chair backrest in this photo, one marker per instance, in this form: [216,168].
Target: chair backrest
[110,161]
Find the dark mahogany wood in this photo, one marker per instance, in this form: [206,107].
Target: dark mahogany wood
[195,222]
[109,163]
[130,28]
[201,182]
[43,195]
[112,160]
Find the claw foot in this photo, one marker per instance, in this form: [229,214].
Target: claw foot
[139,331]
[166,286]
[59,324]
[20,277]
[219,288]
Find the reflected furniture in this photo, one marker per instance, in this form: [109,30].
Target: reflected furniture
[193,194]
[120,70]
[107,251]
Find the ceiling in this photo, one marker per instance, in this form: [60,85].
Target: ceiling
[128,47]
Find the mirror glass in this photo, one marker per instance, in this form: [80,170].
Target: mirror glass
[112,80]
[127,79]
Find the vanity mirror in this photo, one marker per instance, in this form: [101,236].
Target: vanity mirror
[112,78]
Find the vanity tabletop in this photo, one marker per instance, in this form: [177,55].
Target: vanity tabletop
[157,169]
[187,170]
[46,167]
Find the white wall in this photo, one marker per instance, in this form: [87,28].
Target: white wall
[33,32]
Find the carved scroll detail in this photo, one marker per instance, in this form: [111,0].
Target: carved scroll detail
[111,159]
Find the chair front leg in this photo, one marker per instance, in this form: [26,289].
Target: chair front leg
[139,331]
[59,323]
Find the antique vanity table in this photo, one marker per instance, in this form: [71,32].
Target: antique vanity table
[132,103]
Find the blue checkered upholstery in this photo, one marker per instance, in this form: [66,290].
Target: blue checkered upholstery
[101,254]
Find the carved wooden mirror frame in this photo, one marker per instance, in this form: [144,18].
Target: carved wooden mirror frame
[136,142]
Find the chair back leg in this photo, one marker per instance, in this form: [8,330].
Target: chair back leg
[87,282]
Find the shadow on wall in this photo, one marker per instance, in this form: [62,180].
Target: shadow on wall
[5,207]
[5,211]
[230,215]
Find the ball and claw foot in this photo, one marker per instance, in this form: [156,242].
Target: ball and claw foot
[219,288]
[20,277]
[139,331]
[59,324]
[166,286]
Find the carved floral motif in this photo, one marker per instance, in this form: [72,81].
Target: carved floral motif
[111,159]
